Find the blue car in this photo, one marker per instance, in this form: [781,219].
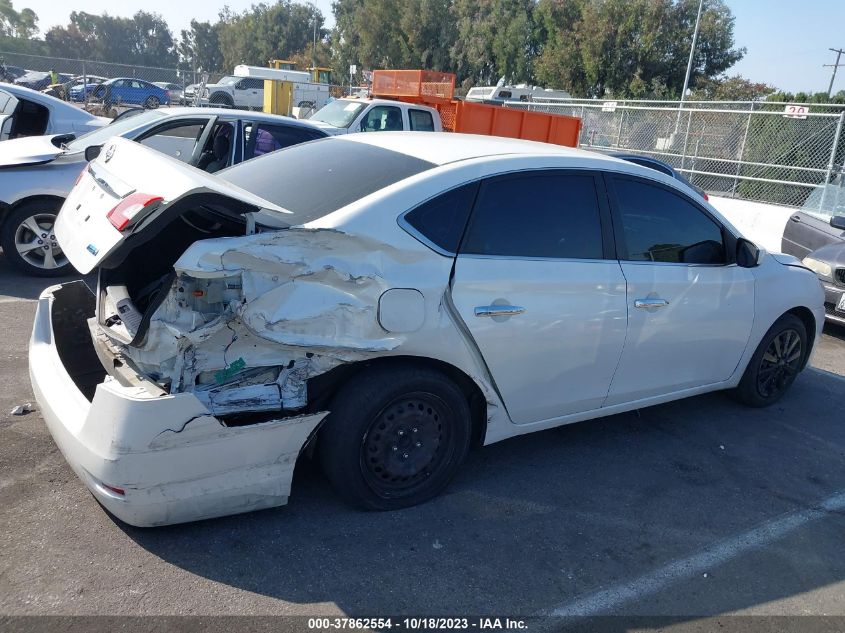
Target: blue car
[126,90]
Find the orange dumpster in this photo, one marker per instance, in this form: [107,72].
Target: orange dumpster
[436,89]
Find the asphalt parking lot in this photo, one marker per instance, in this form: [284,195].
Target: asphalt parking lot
[688,509]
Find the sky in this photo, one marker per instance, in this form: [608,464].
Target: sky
[787,41]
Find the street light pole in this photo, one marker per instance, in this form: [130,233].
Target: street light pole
[692,52]
[838,52]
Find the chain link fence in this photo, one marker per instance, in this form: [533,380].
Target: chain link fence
[183,83]
[774,153]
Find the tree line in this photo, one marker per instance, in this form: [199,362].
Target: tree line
[592,48]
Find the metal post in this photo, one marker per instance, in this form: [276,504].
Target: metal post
[619,132]
[689,64]
[836,65]
[582,124]
[686,140]
[694,161]
[741,151]
[831,162]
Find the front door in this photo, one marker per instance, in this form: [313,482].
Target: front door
[541,295]
[690,310]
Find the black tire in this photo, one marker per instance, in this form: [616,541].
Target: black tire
[221,99]
[152,102]
[775,363]
[15,230]
[395,437]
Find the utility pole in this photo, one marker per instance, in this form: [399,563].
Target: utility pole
[839,52]
[691,52]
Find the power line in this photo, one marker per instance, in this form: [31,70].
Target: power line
[839,52]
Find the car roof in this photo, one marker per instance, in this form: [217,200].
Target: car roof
[441,148]
[23,92]
[241,114]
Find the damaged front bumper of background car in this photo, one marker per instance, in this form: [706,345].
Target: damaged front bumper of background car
[149,457]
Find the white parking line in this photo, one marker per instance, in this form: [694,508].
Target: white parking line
[721,552]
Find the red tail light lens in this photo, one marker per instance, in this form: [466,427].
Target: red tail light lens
[129,207]
[706,197]
[115,490]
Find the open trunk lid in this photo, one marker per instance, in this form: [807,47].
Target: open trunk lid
[124,191]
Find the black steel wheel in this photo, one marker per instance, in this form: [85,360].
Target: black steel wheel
[395,437]
[403,445]
[776,363]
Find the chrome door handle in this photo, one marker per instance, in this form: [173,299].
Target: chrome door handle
[651,303]
[492,311]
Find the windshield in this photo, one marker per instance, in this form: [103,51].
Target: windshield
[228,81]
[7,103]
[827,200]
[313,179]
[339,113]
[118,128]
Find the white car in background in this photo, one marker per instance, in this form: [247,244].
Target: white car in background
[396,298]
[37,173]
[25,112]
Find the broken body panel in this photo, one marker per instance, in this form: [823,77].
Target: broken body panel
[203,380]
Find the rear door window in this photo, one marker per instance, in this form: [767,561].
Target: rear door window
[546,214]
[421,121]
[263,138]
[440,221]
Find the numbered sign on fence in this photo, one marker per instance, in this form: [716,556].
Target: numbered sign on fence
[796,111]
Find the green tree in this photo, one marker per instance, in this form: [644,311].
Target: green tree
[734,88]
[199,47]
[21,24]
[495,38]
[267,32]
[144,39]
[630,48]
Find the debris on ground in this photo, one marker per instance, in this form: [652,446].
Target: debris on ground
[23,409]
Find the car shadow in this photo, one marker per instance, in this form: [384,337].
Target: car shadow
[547,518]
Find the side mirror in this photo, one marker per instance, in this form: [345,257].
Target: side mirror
[838,222]
[747,253]
[92,151]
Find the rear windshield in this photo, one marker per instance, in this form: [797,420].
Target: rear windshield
[313,179]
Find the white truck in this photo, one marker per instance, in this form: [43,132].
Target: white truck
[245,89]
[497,95]
[344,116]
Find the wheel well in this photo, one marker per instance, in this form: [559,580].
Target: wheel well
[322,388]
[5,209]
[809,322]
[223,96]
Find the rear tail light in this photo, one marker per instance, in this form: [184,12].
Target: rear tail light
[129,207]
[706,197]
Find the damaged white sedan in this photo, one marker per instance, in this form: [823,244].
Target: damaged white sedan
[389,300]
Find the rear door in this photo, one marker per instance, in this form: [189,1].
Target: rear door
[690,308]
[178,138]
[538,286]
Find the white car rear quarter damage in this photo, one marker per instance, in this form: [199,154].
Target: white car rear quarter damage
[128,438]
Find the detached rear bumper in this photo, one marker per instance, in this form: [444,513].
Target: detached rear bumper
[172,459]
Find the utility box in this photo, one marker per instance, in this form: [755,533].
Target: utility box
[278,97]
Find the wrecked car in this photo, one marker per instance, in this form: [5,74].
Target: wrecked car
[387,301]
